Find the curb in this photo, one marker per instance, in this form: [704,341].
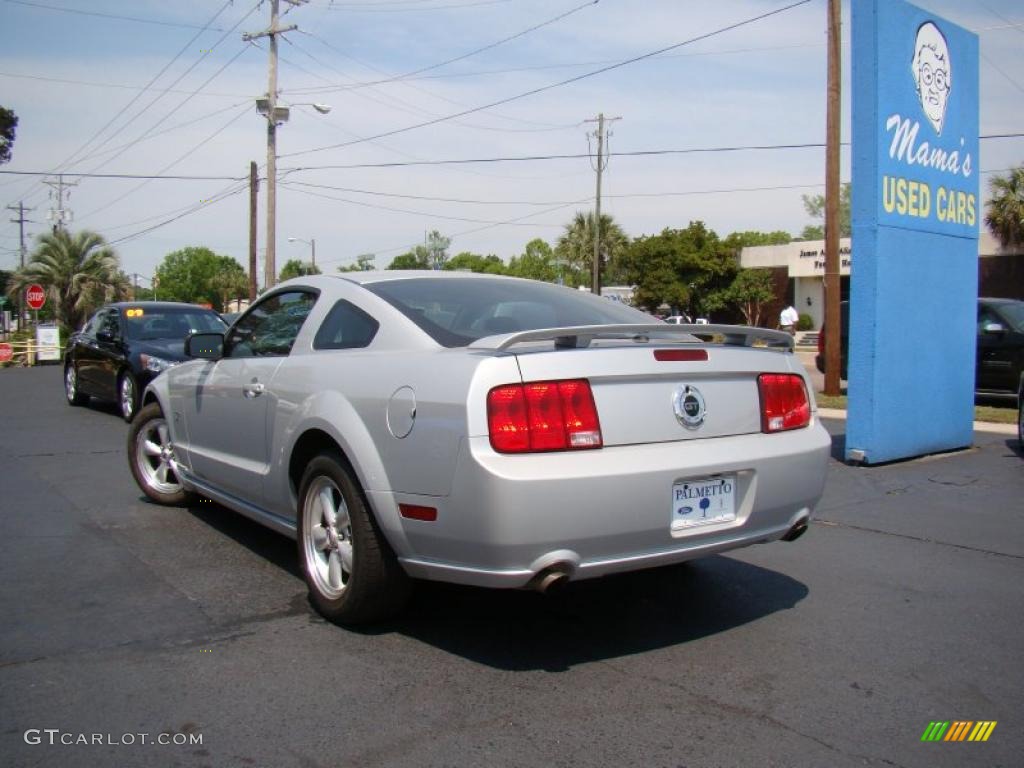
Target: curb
[979,426]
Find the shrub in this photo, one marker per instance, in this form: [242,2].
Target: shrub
[805,323]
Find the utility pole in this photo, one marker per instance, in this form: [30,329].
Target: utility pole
[602,162]
[60,214]
[20,221]
[832,290]
[254,185]
[274,114]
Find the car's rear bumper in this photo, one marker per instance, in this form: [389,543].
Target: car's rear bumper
[592,513]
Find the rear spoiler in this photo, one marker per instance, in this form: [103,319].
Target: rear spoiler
[581,335]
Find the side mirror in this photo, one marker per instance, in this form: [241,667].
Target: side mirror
[994,328]
[207,346]
[105,336]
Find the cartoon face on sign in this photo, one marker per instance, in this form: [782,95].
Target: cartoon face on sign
[933,73]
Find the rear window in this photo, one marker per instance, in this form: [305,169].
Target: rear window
[456,312]
[145,324]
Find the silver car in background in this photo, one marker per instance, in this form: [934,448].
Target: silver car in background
[482,430]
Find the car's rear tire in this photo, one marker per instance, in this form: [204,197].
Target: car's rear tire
[71,390]
[151,458]
[352,574]
[127,395]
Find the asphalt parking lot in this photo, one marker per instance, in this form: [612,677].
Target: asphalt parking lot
[901,606]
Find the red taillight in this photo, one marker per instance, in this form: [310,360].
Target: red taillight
[784,403]
[543,416]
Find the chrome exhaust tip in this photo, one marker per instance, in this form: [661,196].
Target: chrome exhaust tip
[798,530]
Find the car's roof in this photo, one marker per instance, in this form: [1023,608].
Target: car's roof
[365,278]
[156,305]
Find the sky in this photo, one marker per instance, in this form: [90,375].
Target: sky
[152,88]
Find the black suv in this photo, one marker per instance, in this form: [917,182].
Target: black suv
[1000,358]
[125,345]
[1000,346]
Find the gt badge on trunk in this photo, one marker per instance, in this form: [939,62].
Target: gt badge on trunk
[688,404]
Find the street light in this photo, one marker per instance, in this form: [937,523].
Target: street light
[311,243]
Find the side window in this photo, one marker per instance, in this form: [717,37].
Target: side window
[271,327]
[345,327]
[111,323]
[95,323]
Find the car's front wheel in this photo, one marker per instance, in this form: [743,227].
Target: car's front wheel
[152,460]
[352,573]
[127,395]
[71,391]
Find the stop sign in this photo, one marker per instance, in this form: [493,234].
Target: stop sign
[35,296]
[6,352]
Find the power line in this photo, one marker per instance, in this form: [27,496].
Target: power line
[456,161]
[80,12]
[427,214]
[551,86]
[124,86]
[81,175]
[169,165]
[369,9]
[184,101]
[534,68]
[404,81]
[199,206]
[138,96]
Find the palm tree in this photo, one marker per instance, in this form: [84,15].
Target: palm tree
[1005,217]
[79,272]
[576,245]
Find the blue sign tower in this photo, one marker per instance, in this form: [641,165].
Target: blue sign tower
[916,210]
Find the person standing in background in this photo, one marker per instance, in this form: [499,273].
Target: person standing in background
[788,319]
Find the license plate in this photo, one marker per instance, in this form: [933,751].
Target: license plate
[703,501]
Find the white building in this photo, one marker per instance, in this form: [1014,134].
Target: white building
[805,266]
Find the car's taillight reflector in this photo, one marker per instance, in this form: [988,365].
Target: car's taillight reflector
[543,416]
[682,355]
[416,512]
[784,403]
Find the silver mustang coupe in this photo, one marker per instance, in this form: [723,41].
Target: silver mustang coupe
[482,430]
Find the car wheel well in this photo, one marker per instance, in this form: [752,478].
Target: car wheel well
[148,398]
[311,443]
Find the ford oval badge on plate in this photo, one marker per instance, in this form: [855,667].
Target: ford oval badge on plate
[688,404]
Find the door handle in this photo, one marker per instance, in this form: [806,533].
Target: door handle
[253,390]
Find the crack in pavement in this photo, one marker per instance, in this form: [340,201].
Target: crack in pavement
[922,539]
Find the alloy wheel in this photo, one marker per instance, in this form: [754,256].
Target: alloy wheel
[154,456]
[327,537]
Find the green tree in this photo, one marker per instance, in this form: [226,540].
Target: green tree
[1005,215]
[576,247]
[295,268]
[737,241]
[437,249]
[8,128]
[537,262]
[79,271]
[684,268]
[364,263]
[815,207]
[230,284]
[749,291]
[474,262]
[190,275]
[414,259]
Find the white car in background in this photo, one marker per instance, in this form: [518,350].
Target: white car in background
[482,430]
